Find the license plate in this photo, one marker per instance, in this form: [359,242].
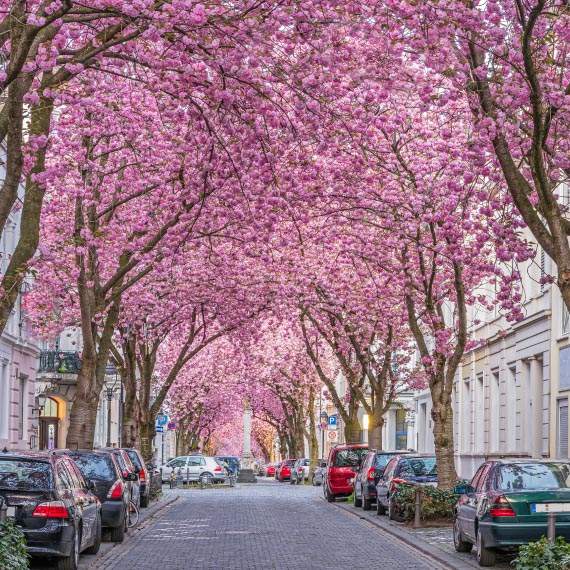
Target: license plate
[550,508]
[11,512]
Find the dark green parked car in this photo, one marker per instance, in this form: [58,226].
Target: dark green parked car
[507,504]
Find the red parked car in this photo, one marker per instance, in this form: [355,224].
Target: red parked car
[284,470]
[270,471]
[342,465]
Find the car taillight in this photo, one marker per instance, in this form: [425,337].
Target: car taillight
[501,507]
[51,510]
[116,491]
[142,474]
[217,469]
[371,473]
[396,481]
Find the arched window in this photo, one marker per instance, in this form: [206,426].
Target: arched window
[49,409]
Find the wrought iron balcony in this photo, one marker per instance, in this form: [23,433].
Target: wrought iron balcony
[61,362]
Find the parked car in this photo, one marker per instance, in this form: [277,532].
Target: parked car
[128,470]
[319,474]
[284,471]
[277,466]
[143,473]
[342,464]
[194,468]
[401,469]
[507,504]
[367,477]
[110,486]
[270,470]
[232,461]
[52,503]
[300,471]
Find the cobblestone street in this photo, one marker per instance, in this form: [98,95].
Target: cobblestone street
[268,525]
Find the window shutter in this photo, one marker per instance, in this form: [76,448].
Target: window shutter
[563,429]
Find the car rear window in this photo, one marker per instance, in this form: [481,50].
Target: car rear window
[418,467]
[381,460]
[533,476]
[305,463]
[349,457]
[25,475]
[133,456]
[95,466]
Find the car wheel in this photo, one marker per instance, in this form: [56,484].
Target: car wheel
[292,481]
[328,495]
[380,508]
[485,556]
[366,503]
[205,477]
[357,500]
[144,501]
[71,562]
[94,548]
[118,533]
[460,544]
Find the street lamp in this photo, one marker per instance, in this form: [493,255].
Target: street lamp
[110,391]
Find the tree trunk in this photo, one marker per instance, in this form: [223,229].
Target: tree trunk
[443,439]
[131,436]
[148,431]
[313,438]
[83,413]
[376,428]
[352,428]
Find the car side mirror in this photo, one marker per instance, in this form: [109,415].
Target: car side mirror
[130,476]
[323,463]
[91,485]
[463,489]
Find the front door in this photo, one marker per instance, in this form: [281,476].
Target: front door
[48,433]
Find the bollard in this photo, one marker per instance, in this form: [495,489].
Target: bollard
[551,529]
[187,475]
[418,508]
[3,510]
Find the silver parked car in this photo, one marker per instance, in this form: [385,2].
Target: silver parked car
[319,474]
[300,471]
[189,468]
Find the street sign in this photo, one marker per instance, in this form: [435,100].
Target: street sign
[159,429]
[324,416]
[332,435]
[171,426]
[161,420]
[333,421]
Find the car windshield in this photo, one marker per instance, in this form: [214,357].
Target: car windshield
[418,467]
[349,457]
[533,476]
[94,466]
[25,475]
[134,458]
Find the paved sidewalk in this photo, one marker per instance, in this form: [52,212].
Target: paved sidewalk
[437,542]
[264,526]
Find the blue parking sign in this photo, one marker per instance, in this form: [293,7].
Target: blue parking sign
[333,421]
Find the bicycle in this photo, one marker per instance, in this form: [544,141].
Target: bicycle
[132,515]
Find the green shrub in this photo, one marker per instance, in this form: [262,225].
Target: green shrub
[541,554]
[13,552]
[436,503]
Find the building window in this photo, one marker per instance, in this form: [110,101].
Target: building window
[22,405]
[401,430]
[565,314]
[563,428]
[495,412]
[479,414]
[466,420]
[564,364]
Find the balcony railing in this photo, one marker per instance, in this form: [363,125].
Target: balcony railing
[62,362]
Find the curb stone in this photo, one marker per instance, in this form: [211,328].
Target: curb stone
[412,540]
[150,513]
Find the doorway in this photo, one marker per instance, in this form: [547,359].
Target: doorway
[49,424]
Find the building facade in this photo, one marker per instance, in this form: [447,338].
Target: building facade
[18,361]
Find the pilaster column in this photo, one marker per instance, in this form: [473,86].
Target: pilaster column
[536,383]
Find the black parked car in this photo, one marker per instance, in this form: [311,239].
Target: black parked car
[52,503]
[143,473]
[371,469]
[103,469]
[127,470]
[401,469]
